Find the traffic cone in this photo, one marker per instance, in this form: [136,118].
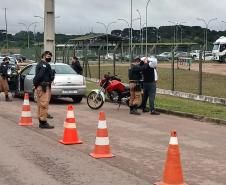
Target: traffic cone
[26,119]
[70,132]
[102,148]
[173,174]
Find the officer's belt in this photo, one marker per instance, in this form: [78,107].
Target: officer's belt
[134,81]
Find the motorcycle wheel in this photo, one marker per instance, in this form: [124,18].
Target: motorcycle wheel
[95,101]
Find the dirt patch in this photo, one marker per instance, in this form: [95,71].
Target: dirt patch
[213,68]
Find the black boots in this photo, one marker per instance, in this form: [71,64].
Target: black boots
[7,98]
[133,110]
[49,116]
[45,125]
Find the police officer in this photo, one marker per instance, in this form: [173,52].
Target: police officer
[4,86]
[49,116]
[135,87]
[42,82]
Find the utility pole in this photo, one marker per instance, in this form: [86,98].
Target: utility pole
[49,26]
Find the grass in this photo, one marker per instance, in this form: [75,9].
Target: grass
[182,105]
[185,80]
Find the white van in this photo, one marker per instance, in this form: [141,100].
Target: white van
[219,49]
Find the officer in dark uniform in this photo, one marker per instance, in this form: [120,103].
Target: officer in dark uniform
[135,87]
[4,86]
[42,82]
[76,65]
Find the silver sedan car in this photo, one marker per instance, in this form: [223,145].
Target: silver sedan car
[67,82]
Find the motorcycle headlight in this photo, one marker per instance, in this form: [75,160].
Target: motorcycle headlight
[9,72]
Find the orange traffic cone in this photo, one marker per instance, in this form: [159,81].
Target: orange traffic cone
[173,174]
[102,148]
[70,132]
[26,119]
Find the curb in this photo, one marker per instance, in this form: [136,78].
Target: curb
[193,116]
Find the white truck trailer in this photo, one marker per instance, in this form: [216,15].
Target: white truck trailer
[219,49]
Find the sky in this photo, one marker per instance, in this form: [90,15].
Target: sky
[80,16]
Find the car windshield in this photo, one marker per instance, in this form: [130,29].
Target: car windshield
[215,46]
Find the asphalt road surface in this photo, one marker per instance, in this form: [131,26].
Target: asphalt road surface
[31,156]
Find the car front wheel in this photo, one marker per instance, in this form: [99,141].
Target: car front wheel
[77,99]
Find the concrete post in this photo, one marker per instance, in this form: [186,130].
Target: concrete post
[49,27]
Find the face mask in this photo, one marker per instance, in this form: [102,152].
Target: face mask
[48,59]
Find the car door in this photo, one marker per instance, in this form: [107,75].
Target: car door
[28,81]
[22,78]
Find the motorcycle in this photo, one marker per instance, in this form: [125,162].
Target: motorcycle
[112,86]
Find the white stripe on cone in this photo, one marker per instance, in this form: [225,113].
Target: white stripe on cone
[173,141]
[102,141]
[26,102]
[26,114]
[70,114]
[69,125]
[102,124]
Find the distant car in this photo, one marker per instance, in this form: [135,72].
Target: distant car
[165,56]
[181,54]
[208,56]
[110,56]
[67,82]
[194,53]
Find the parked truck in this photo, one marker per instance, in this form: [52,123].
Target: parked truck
[219,49]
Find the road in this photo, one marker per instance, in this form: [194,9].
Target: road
[31,156]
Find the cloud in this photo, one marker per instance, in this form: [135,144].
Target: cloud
[80,16]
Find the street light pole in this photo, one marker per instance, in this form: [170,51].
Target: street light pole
[128,27]
[177,24]
[146,52]
[141,46]
[207,25]
[27,29]
[106,29]
[6,29]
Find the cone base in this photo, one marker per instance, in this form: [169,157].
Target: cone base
[162,183]
[25,124]
[98,156]
[70,143]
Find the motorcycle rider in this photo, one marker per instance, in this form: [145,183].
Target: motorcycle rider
[135,86]
[4,86]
